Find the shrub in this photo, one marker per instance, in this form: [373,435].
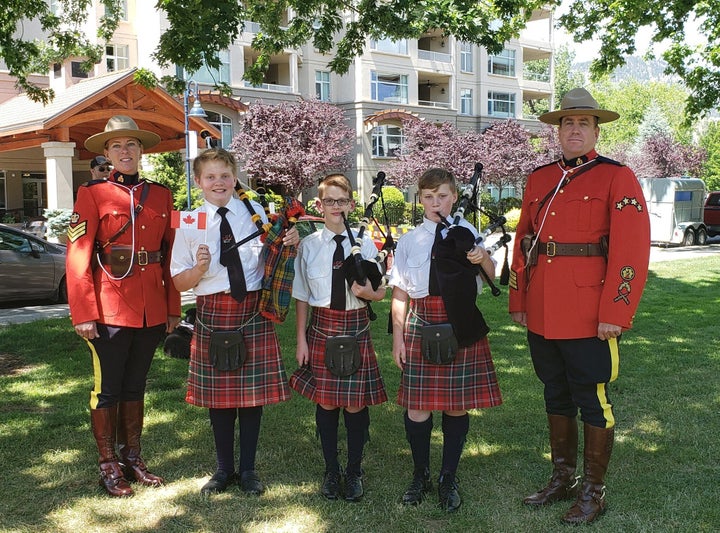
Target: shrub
[394,201]
[512,216]
[58,221]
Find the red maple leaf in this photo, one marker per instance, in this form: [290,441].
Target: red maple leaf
[188,219]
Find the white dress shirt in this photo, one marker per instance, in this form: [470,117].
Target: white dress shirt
[313,268]
[411,265]
[216,278]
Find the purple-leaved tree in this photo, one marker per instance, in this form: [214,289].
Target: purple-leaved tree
[507,154]
[660,156]
[292,144]
[427,145]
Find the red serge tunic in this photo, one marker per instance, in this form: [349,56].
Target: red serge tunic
[147,296]
[566,297]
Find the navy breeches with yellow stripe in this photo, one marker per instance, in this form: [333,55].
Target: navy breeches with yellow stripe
[121,358]
[575,373]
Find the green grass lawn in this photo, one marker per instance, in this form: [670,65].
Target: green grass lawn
[663,476]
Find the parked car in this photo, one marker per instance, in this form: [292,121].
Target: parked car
[30,268]
[711,213]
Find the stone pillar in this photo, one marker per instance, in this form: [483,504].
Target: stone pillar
[58,167]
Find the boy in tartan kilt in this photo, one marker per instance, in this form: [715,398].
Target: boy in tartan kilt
[466,382]
[337,310]
[200,263]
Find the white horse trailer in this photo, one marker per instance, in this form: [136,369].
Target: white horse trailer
[675,206]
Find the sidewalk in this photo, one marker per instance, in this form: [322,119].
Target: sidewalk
[21,315]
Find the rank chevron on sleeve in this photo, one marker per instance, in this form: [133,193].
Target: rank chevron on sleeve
[75,232]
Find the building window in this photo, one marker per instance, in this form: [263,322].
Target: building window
[502,64]
[55,7]
[386,141]
[501,104]
[76,70]
[390,46]
[211,76]
[116,57]
[322,85]
[466,102]
[389,88]
[123,15]
[222,123]
[466,57]
[57,70]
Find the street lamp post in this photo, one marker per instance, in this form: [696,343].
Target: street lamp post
[191,89]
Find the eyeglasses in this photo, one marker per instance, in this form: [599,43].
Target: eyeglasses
[341,202]
[104,169]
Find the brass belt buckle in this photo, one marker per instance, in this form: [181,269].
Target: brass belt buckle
[142,256]
[550,249]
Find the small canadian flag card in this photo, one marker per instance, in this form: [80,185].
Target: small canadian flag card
[188,220]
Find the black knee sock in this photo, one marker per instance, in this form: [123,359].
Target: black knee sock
[327,427]
[455,430]
[357,426]
[418,435]
[249,418]
[223,425]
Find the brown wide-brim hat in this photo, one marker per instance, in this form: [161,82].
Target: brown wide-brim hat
[578,102]
[121,126]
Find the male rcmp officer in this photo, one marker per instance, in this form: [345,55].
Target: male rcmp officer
[121,295]
[576,285]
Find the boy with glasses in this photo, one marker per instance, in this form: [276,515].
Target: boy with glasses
[339,325]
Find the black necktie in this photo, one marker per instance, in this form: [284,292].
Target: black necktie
[434,287]
[337,292]
[231,258]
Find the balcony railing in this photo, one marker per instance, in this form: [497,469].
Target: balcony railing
[269,87]
[537,76]
[434,56]
[443,105]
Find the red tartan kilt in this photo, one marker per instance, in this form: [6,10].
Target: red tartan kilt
[469,382]
[261,380]
[364,387]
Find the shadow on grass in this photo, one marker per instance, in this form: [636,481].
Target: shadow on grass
[666,401]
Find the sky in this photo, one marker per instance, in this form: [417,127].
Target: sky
[588,50]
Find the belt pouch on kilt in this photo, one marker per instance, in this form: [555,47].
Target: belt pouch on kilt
[342,355]
[227,348]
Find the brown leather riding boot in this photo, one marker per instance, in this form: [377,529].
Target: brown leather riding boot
[103,422]
[563,450]
[590,501]
[130,426]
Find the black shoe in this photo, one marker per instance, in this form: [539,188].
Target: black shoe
[420,486]
[450,500]
[250,483]
[218,483]
[353,486]
[331,485]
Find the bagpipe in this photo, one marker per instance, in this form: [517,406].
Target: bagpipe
[460,240]
[279,260]
[355,267]
[456,276]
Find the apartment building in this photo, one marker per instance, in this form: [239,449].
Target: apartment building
[435,78]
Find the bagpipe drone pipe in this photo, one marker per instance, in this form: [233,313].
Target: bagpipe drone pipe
[457,275]
[355,267]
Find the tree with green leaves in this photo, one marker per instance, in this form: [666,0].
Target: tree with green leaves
[24,57]
[616,23]
[710,141]
[168,168]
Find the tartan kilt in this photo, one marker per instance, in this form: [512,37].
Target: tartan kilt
[261,380]
[364,387]
[469,382]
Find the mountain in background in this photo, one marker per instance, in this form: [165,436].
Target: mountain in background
[635,68]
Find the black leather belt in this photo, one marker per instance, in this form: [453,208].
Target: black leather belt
[551,249]
[142,258]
